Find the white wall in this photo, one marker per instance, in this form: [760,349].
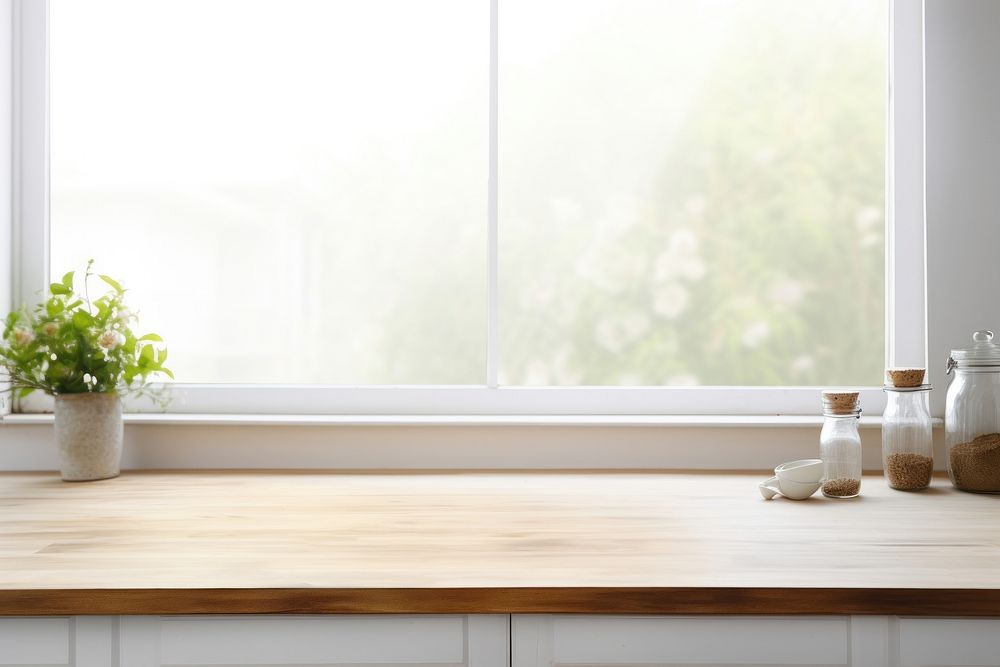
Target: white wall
[32,447]
[962,74]
[6,186]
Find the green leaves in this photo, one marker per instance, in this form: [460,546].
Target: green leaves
[65,286]
[54,306]
[82,319]
[71,343]
[114,283]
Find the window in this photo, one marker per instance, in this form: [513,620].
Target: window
[470,197]
[307,185]
[692,193]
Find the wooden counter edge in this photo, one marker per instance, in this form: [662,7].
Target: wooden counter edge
[670,601]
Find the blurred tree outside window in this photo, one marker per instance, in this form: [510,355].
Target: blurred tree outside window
[690,193]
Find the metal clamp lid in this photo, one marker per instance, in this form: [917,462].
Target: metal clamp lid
[983,352]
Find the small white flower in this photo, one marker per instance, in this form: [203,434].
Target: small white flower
[803,364]
[670,300]
[53,357]
[680,259]
[787,292]
[110,339]
[756,333]
[23,336]
[635,326]
[868,218]
[86,378]
[50,328]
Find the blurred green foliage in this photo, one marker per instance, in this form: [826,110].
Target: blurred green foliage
[756,257]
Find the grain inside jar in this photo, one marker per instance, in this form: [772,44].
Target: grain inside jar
[975,465]
[909,472]
[843,487]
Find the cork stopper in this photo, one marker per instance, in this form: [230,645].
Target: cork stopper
[840,402]
[905,377]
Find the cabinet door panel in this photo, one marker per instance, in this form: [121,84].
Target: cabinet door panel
[956,642]
[315,640]
[34,641]
[543,641]
[80,641]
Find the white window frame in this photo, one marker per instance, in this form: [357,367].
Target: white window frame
[906,322]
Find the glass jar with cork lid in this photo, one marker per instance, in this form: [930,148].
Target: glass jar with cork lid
[907,439]
[840,444]
[972,416]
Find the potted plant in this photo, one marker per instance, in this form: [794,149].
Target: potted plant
[85,354]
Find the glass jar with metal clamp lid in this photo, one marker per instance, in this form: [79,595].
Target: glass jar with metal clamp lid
[972,416]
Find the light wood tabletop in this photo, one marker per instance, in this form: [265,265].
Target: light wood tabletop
[319,542]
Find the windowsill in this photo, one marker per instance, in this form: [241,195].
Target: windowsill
[454,442]
[688,421]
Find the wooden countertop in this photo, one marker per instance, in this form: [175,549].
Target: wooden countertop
[314,542]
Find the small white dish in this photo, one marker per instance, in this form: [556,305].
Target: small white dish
[789,489]
[803,471]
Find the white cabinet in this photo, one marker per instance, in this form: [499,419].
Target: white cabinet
[182,641]
[861,641]
[497,641]
[78,641]
[957,642]
[551,641]
[275,641]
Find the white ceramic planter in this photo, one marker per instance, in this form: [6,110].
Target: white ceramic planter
[89,435]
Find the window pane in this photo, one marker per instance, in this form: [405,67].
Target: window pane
[294,191]
[692,192]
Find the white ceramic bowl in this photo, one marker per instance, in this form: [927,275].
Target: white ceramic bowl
[791,490]
[803,471]
[797,490]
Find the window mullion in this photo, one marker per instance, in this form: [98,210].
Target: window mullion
[906,319]
[29,156]
[492,341]
[30,203]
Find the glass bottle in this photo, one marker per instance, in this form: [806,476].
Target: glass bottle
[972,416]
[907,440]
[840,445]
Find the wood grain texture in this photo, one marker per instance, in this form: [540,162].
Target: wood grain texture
[644,543]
